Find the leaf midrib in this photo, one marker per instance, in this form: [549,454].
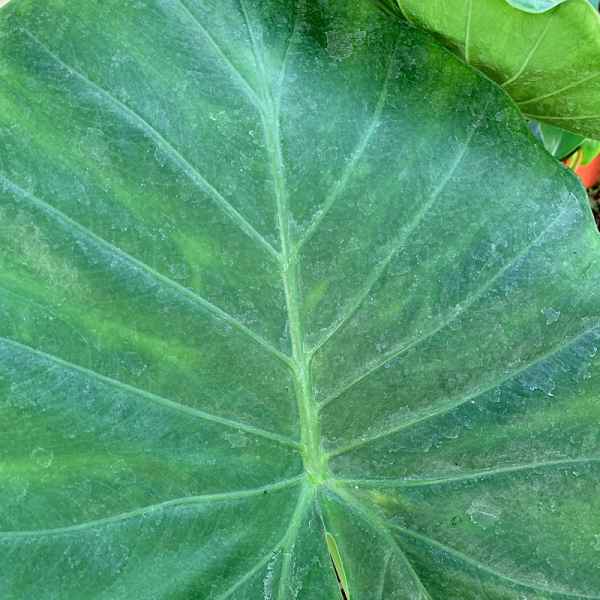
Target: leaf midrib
[312,454]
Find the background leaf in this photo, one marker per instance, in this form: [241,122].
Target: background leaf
[258,295]
[590,149]
[547,62]
[558,142]
[537,6]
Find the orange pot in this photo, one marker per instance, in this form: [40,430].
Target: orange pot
[590,173]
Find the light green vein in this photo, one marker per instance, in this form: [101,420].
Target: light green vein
[395,246]
[482,567]
[384,569]
[289,541]
[470,476]
[451,405]
[147,510]
[380,526]
[73,226]
[154,398]
[559,118]
[467,302]
[565,88]
[341,183]
[291,533]
[531,52]
[169,150]
[469,11]
[309,420]
[248,89]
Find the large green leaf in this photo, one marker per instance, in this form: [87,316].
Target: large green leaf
[270,285]
[547,62]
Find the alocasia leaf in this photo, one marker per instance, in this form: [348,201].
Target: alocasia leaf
[276,285]
[547,62]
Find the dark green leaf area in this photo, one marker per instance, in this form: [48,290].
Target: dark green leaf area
[276,275]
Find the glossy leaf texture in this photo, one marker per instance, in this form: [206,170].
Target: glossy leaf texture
[548,62]
[276,280]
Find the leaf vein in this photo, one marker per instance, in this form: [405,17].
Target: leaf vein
[474,475]
[382,528]
[159,400]
[208,306]
[531,52]
[454,404]
[485,568]
[170,151]
[142,512]
[570,86]
[291,532]
[249,90]
[340,185]
[468,31]
[396,245]
[404,347]
[559,118]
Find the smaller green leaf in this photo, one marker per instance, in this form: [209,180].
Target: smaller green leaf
[547,62]
[535,6]
[590,149]
[540,6]
[559,142]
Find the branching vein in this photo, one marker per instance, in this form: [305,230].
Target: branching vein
[154,508]
[531,52]
[558,91]
[287,540]
[405,346]
[154,398]
[169,150]
[489,570]
[453,404]
[340,185]
[469,476]
[396,245]
[75,227]
[248,89]
[381,527]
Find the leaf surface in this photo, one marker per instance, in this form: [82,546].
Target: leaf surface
[557,141]
[538,6]
[547,62]
[535,6]
[258,298]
